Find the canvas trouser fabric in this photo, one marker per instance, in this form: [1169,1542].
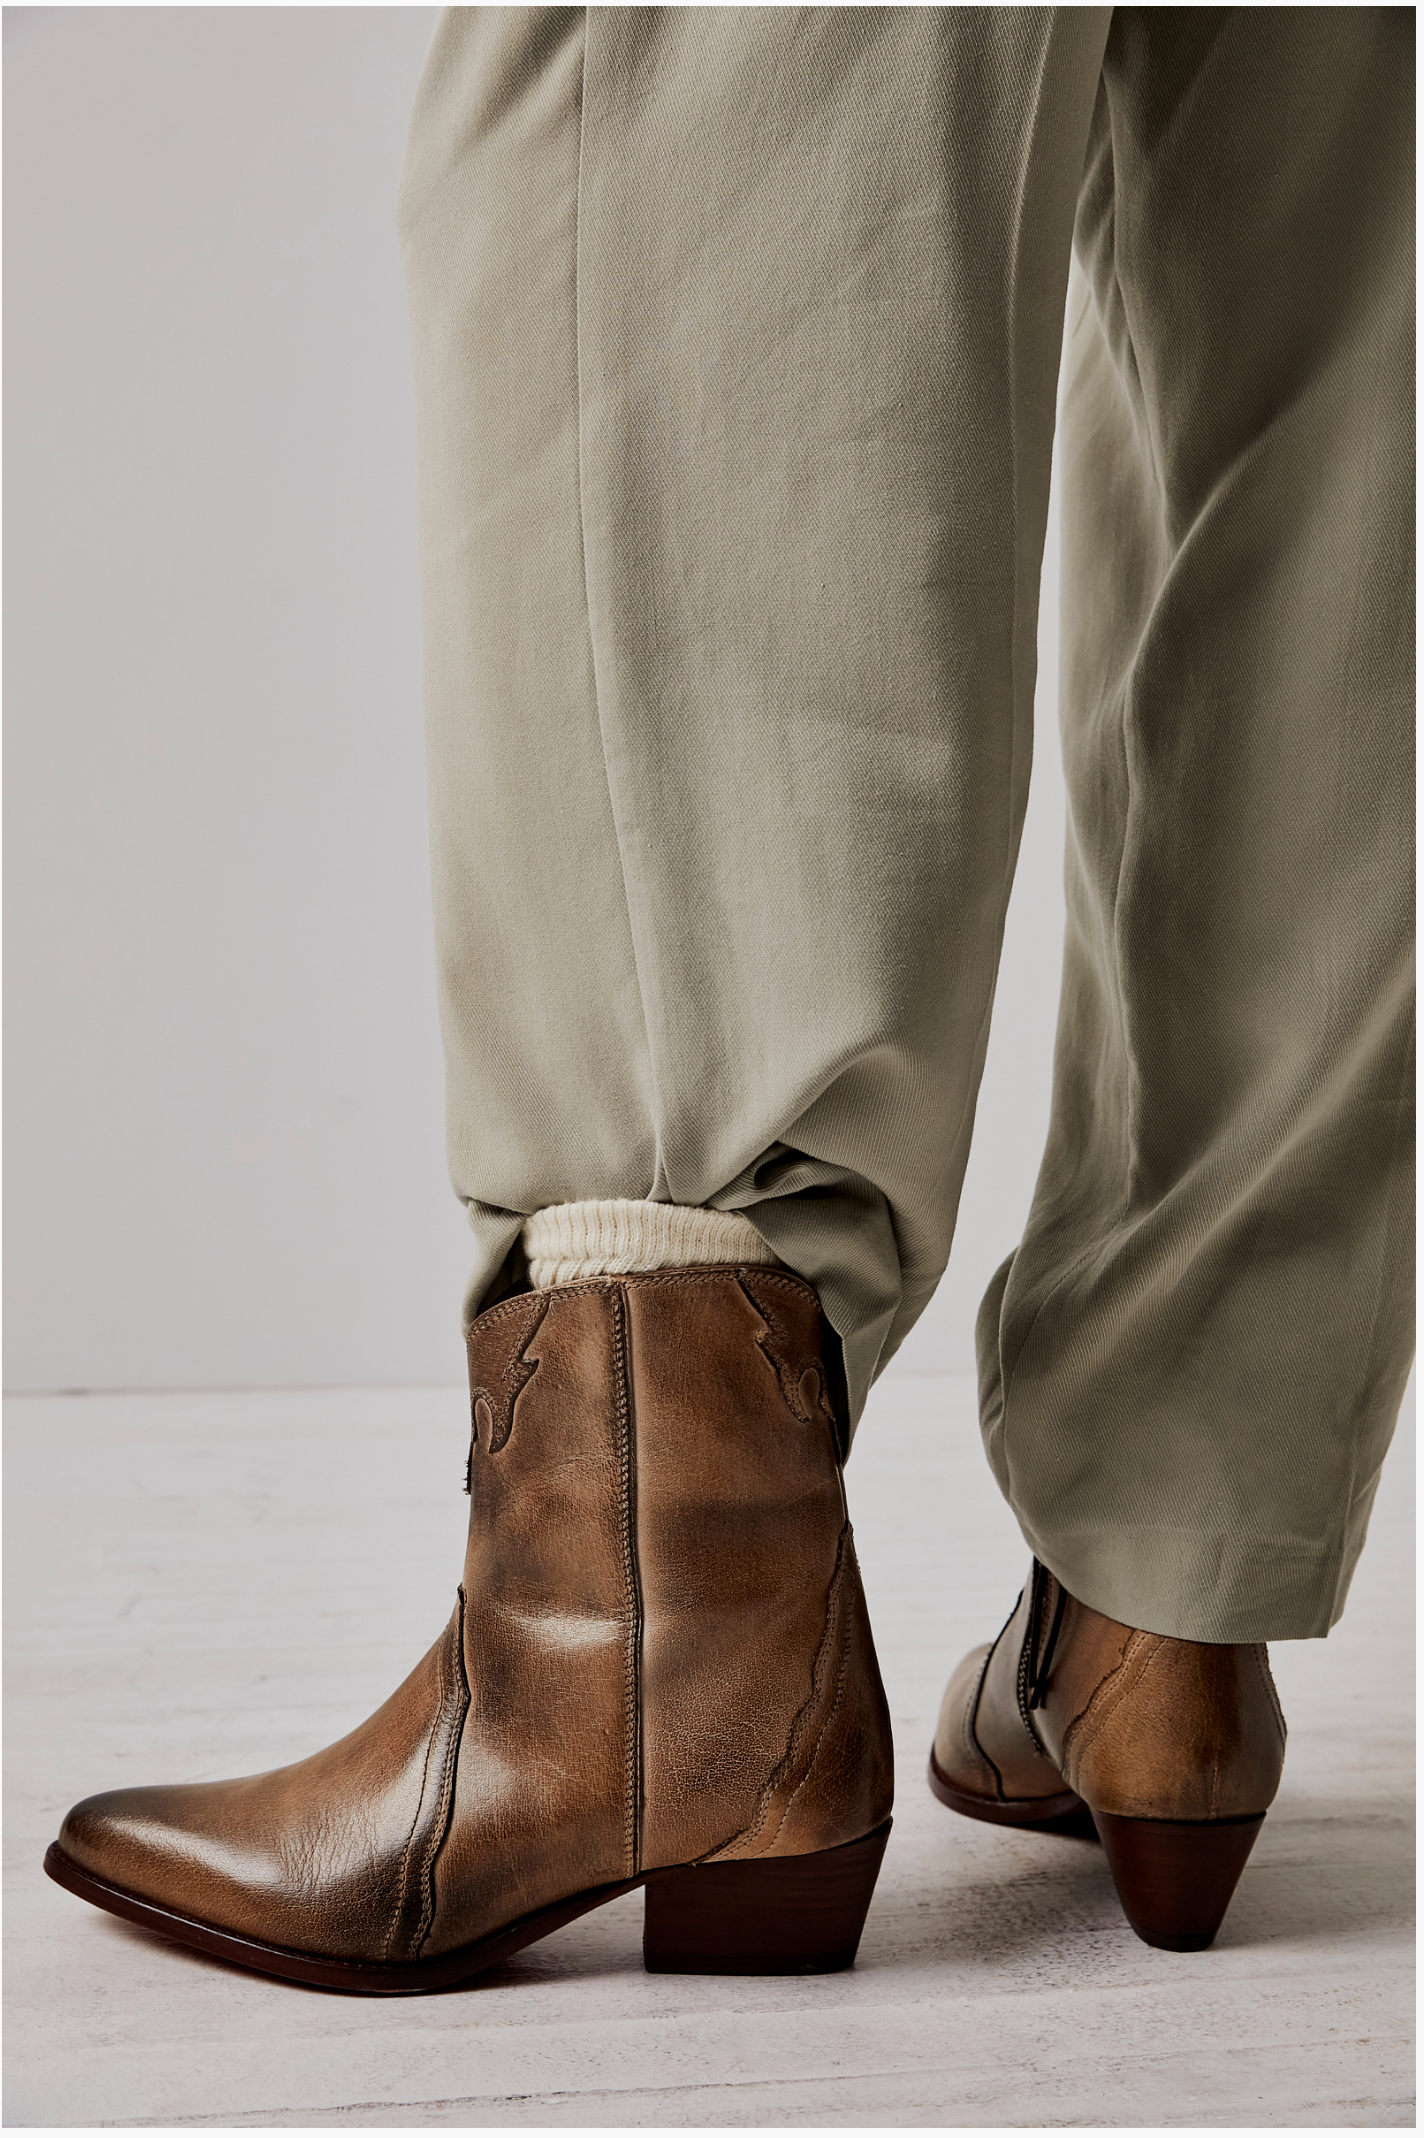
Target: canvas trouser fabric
[736,349]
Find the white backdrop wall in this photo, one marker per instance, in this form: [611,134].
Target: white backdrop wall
[225,1160]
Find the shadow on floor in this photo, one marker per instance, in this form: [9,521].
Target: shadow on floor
[1314,1878]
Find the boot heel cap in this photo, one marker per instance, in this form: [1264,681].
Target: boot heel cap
[770,1915]
[1175,1878]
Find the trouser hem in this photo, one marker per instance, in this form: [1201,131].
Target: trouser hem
[1193,1585]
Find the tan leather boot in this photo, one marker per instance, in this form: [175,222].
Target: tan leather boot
[659,1672]
[1170,1750]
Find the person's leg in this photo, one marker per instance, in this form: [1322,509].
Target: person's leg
[736,336]
[736,342]
[1192,1365]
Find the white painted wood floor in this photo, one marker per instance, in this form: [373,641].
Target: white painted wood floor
[205,1585]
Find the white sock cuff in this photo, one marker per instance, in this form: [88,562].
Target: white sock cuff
[572,1240]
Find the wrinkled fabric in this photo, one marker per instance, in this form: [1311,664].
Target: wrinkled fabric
[1192,1366]
[736,345]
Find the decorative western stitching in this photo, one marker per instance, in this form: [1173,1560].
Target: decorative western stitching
[969,1735]
[774,1344]
[628,1487]
[801,1721]
[1107,1697]
[843,1617]
[455,1719]
[498,1403]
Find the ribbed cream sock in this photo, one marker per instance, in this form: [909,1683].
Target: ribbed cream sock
[572,1240]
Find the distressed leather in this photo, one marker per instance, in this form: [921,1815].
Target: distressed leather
[1136,1724]
[333,1854]
[660,1651]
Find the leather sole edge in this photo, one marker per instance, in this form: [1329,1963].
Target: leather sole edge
[444,1970]
[1063,1813]
[363,1977]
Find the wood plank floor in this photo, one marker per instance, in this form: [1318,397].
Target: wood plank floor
[212,1584]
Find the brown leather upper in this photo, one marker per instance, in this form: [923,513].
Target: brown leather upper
[1134,1723]
[660,1651]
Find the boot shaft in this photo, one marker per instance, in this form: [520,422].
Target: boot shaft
[664,1626]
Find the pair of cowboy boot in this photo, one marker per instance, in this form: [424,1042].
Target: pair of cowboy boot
[659,1672]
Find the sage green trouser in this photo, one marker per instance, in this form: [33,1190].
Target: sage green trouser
[737,338]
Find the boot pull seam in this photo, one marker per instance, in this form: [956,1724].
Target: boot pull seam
[456,1709]
[403,1882]
[628,1543]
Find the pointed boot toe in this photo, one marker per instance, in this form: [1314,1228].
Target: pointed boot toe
[323,1858]
[137,1839]
[129,1839]
[659,1672]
